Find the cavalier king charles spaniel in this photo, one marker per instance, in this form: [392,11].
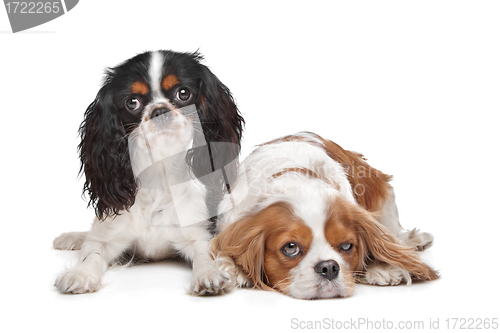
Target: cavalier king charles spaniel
[159,147]
[312,220]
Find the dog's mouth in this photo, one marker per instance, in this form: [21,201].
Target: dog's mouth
[166,126]
[329,290]
[321,289]
[162,136]
[171,122]
[162,119]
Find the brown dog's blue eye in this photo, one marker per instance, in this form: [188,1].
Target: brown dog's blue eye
[346,247]
[183,94]
[133,104]
[290,249]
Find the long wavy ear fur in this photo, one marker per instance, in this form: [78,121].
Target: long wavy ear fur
[105,160]
[244,243]
[221,121]
[379,245]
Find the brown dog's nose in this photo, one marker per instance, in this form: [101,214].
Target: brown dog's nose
[329,269]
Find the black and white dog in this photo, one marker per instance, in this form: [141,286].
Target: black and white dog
[159,146]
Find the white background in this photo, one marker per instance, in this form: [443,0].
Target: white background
[412,85]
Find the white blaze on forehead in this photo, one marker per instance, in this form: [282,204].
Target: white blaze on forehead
[309,198]
[311,205]
[155,73]
[312,208]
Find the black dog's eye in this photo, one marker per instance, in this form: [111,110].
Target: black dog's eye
[133,104]
[183,94]
[346,247]
[291,250]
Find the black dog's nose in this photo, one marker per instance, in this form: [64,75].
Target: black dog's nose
[158,112]
[328,269]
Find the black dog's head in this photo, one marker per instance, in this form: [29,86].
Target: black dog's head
[147,86]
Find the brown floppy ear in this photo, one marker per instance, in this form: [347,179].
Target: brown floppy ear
[244,242]
[379,245]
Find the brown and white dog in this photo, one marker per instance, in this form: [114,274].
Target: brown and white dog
[312,219]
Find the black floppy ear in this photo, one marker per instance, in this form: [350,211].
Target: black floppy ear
[105,160]
[222,126]
[221,119]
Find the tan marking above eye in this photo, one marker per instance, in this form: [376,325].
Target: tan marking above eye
[139,88]
[169,81]
[340,228]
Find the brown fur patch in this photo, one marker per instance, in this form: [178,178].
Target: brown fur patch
[340,230]
[169,82]
[375,243]
[277,266]
[254,244]
[139,88]
[369,185]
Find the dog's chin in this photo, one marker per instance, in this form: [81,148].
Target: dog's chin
[320,290]
[160,135]
[171,135]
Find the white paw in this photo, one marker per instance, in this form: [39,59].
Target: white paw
[419,240]
[227,265]
[78,280]
[210,281]
[385,275]
[243,281]
[70,241]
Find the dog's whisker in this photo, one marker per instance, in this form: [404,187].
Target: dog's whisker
[282,281]
[125,182]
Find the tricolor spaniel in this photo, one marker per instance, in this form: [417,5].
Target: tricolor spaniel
[312,220]
[154,168]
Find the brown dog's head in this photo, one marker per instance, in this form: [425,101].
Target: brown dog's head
[315,255]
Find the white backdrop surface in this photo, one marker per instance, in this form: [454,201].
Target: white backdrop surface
[414,85]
